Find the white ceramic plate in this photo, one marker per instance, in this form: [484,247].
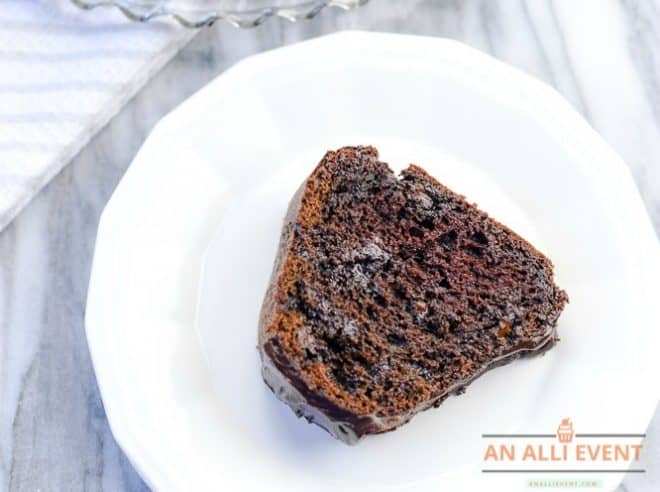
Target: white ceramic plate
[219,171]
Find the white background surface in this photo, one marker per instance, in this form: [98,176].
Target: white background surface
[602,56]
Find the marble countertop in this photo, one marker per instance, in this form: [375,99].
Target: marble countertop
[604,56]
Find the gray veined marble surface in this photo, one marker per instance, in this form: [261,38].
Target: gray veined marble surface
[603,55]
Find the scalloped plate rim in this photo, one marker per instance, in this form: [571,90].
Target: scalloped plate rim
[111,223]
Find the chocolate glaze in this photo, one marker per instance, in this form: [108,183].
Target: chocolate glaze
[346,426]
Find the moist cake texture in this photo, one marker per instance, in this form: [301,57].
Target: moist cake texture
[390,293]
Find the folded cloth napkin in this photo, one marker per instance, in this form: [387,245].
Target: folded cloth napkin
[64,73]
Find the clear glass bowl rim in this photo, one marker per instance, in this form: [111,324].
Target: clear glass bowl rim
[145,11]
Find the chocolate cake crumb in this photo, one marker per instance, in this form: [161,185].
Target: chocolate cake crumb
[391,293]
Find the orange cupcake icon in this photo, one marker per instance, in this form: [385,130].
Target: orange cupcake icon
[565,431]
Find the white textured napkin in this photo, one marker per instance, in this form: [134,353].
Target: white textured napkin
[63,74]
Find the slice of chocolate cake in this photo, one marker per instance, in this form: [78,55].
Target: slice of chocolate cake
[389,294]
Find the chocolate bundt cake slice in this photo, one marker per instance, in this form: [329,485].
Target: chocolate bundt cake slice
[390,293]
